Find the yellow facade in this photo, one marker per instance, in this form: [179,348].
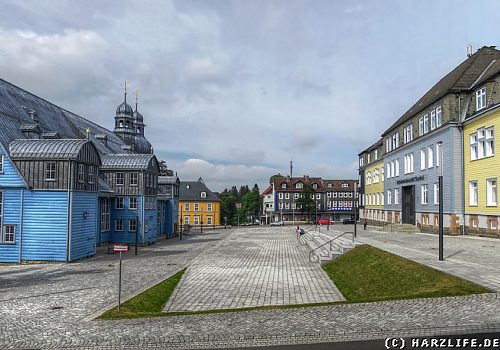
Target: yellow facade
[482,169]
[199,212]
[374,188]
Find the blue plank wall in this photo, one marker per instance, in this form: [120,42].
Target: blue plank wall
[9,252]
[150,226]
[45,224]
[11,185]
[125,214]
[83,228]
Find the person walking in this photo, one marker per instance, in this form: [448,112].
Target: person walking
[365,223]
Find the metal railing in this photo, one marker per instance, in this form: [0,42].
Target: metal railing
[329,242]
[299,236]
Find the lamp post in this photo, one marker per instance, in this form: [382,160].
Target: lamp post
[440,185]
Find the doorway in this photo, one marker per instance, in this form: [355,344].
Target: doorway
[409,205]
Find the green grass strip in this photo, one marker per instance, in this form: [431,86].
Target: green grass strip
[149,303]
[367,274]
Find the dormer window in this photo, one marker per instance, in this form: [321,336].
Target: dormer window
[283,185]
[481,98]
[299,185]
[50,171]
[203,194]
[329,185]
[345,185]
[315,186]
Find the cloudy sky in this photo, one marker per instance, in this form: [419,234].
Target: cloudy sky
[233,90]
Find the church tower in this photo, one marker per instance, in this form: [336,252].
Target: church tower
[124,121]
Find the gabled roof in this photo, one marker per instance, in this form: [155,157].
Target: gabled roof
[191,191]
[168,180]
[267,191]
[291,181]
[459,79]
[128,161]
[336,185]
[66,149]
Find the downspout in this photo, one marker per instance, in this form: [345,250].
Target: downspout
[21,211]
[70,213]
[461,116]
[142,206]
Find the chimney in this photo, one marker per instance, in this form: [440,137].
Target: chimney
[469,50]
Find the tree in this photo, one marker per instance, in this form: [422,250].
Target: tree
[227,206]
[243,191]
[250,204]
[306,201]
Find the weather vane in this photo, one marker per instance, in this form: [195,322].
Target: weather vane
[125,85]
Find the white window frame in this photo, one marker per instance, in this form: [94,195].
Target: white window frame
[474,152]
[280,195]
[438,154]
[81,173]
[90,176]
[423,159]
[130,201]
[389,197]
[134,179]
[50,171]
[120,179]
[490,142]
[473,193]
[421,126]
[119,200]
[491,192]
[397,167]
[196,206]
[287,195]
[396,196]
[4,239]
[436,193]
[433,119]
[481,98]
[426,123]
[186,207]
[1,164]
[187,220]
[105,214]
[430,157]
[209,220]
[116,225]
[209,206]
[424,194]
[439,117]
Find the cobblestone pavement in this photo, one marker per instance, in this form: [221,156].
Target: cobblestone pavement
[30,317]
[476,259]
[254,267]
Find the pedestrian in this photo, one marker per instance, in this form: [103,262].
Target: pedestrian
[365,223]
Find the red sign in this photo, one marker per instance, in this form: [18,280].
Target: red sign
[120,248]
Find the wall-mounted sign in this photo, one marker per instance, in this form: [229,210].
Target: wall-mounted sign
[410,180]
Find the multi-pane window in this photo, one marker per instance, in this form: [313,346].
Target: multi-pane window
[119,225]
[382,173]
[186,206]
[426,124]
[424,194]
[120,179]
[389,197]
[1,163]
[473,193]
[209,206]
[105,214]
[433,120]
[81,173]
[439,117]
[301,185]
[119,203]
[436,193]
[361,163]
[196,206]
[50,171]
[132,203]
[396,196]
[408,166]
[408,133]
[203,194]
[368,178]
[388,166]
[9,234]
[287,195]
[318,195]
[91,174]
[209,220]
[491,192]
[397,167]
[430,157]
[375,176]
[280,205]
[134,179]
[422,159]
[480,99]
[376,154]
[482,143]
[421,126]
[132,225]
[287,205]
[186,220]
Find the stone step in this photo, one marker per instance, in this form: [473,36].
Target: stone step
[407,228]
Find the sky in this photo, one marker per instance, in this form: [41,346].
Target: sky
[231,91]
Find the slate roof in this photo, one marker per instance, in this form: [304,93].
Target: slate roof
[191,191]
[290,182]
[46,149]
[337,185]
[167,180]
[126,161]
[460,79]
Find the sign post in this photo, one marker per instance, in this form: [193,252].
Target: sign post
[120,248]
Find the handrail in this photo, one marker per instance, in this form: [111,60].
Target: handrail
[330,241]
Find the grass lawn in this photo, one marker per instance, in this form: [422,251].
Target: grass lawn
[147,304]
[367,274]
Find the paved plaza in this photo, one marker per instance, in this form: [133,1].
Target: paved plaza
[254,267]
[51,306]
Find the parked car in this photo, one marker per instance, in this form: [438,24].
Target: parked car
[324,222]
[277,223]
[348,221]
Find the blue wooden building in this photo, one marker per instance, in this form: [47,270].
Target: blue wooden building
[68,184]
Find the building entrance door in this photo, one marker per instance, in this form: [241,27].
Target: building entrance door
[409,205]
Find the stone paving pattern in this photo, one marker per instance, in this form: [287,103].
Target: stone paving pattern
[28,294]
[254,267]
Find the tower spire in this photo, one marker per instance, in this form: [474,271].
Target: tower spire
[136,99]
[125,90]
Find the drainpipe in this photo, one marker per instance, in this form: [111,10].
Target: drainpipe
[461,118]
[21,211]
[70,213]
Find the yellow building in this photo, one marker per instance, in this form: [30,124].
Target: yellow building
[197,204]
[374,191]
[481,170]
